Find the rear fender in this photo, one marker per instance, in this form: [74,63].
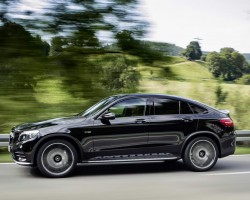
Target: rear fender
[208,134]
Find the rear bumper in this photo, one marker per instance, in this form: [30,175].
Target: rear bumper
[228,145]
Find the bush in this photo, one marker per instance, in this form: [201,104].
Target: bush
[119,73]
[220,95]
[245,79]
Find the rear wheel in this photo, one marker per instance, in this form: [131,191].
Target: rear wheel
[201,154]
[57,158]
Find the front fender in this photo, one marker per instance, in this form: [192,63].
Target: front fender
[64,136]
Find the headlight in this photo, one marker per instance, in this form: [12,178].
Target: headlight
[26,135]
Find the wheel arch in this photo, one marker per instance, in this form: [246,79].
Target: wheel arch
[210,135]
[58,136]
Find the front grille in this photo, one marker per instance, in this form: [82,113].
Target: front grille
[11,138]
[14,135]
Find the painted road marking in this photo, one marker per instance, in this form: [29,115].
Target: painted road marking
[240,155]
[7,163]
[227,173]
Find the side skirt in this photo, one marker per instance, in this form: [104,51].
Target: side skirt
[132,158]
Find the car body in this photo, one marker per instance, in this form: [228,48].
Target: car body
[127,128]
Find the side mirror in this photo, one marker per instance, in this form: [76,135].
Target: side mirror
[108,116]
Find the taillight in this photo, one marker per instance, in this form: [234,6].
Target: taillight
[227,122]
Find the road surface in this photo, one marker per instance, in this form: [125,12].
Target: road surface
[229,179]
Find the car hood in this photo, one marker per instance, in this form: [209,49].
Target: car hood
[50,122]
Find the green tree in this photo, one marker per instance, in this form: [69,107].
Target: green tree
[79,23]
[228,64]
[57,45]
[17,42]
[215,63]
[193,51]
[22,58]
[119,73]
[79,20]
[127,43]
[204,57]
[83,71]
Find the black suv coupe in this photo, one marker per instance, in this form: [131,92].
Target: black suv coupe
[127,128]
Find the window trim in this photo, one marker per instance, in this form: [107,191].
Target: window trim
[98,116]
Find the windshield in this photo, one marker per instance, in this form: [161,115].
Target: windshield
[98,106]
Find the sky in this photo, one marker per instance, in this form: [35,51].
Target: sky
[219,23]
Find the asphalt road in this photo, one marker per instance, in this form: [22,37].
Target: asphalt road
[229,179]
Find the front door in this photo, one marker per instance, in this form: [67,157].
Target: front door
[126,134]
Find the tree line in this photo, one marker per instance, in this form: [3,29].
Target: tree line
[228,64]
[78,56]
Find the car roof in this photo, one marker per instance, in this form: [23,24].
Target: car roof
[153,95]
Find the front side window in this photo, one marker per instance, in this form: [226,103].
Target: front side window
[97,107]
[166,107]
[128,108]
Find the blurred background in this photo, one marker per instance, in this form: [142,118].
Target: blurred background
[58,57]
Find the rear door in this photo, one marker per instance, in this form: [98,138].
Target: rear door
[170,121]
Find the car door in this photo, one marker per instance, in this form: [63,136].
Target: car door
[170,121]
[126,134]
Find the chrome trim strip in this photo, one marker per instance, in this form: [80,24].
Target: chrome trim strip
[23,163]
[131,160]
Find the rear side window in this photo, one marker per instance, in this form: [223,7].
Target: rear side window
[197,109]
[185,108]
[166,107]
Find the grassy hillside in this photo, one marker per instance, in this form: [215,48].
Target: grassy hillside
[165,48]
[193,80]
[162,47]
[177,68]
[175,76]
[49,101]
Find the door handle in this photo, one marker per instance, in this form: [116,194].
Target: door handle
[187,119]
[140,121]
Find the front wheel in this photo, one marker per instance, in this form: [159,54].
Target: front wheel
[201,154]
[57,158]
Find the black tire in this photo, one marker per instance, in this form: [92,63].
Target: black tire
[201,154]
[57,158]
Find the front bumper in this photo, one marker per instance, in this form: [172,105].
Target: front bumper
[19,156]
[22,152]
[24,163]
